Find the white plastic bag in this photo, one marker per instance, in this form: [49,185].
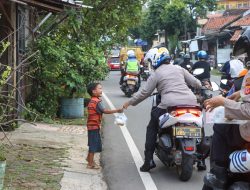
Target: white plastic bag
[120,119]
[217,115]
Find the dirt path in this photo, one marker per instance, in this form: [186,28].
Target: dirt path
[50,157]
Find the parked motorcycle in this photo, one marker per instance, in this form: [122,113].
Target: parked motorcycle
[130,84]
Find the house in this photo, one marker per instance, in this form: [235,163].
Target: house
[20,21]
[233,4]
[218,34]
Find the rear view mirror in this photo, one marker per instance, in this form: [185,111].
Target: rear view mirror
[224,81]
[215,86]
[198,71]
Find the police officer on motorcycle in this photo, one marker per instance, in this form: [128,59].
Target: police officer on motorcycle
[230,137]
[202,63]
[171,82]
[132,66]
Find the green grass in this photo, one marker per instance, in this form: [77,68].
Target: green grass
[31,167]
[63,121]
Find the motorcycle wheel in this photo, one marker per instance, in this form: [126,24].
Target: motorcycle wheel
[185,170]
[128,94]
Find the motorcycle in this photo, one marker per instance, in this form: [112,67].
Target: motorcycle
[181,140]
[207,87]
[144,73]
[130,84]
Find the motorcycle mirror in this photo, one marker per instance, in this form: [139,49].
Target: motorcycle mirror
[224,81]
[215,86]
[198,71]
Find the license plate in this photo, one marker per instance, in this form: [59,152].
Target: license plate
[187,132]
[131,82]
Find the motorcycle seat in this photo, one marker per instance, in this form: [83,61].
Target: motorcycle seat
[132,73]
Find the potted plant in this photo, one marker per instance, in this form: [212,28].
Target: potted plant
[2,166]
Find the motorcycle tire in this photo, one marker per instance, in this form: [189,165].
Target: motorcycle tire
[129,94]
[185,170]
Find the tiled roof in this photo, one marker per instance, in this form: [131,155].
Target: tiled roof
[218,22]
[214,15]
[236,35]
[245,21]
[231,12]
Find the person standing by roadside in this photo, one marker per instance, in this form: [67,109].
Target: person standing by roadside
[95,112]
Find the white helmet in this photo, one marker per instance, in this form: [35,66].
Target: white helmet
[240,161]
[156,56]
[131,53]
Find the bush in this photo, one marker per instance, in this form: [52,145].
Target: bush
[63,69]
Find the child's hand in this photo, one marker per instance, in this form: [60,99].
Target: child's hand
[120,110]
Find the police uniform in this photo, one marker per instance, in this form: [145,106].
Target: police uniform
[171,81]
[230,137]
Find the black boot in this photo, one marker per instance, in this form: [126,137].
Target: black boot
[216,178]
[205,187]
[201,165]
[148,165]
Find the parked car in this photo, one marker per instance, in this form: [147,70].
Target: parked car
[114,63]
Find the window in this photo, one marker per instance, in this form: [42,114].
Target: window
[239,5]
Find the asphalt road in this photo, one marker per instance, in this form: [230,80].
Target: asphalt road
[119,168]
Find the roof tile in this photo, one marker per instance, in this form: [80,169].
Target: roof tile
[245,21]
[218,22]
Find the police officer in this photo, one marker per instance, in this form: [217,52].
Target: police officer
[202,63]
[230,137]
[173,90]
[132,66]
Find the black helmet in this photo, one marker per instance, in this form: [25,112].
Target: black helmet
[242,46]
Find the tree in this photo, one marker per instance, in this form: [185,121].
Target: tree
[72,55]
[176,18]
[199,8]
[151,21]
[177,21]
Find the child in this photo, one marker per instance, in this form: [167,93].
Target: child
[95,111]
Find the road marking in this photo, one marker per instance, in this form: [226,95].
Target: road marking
[145,176]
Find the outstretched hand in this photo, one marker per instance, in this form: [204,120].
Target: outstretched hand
[214,102]
[120,110]
[126,105]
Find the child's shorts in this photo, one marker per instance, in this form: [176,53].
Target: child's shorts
[94,141]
